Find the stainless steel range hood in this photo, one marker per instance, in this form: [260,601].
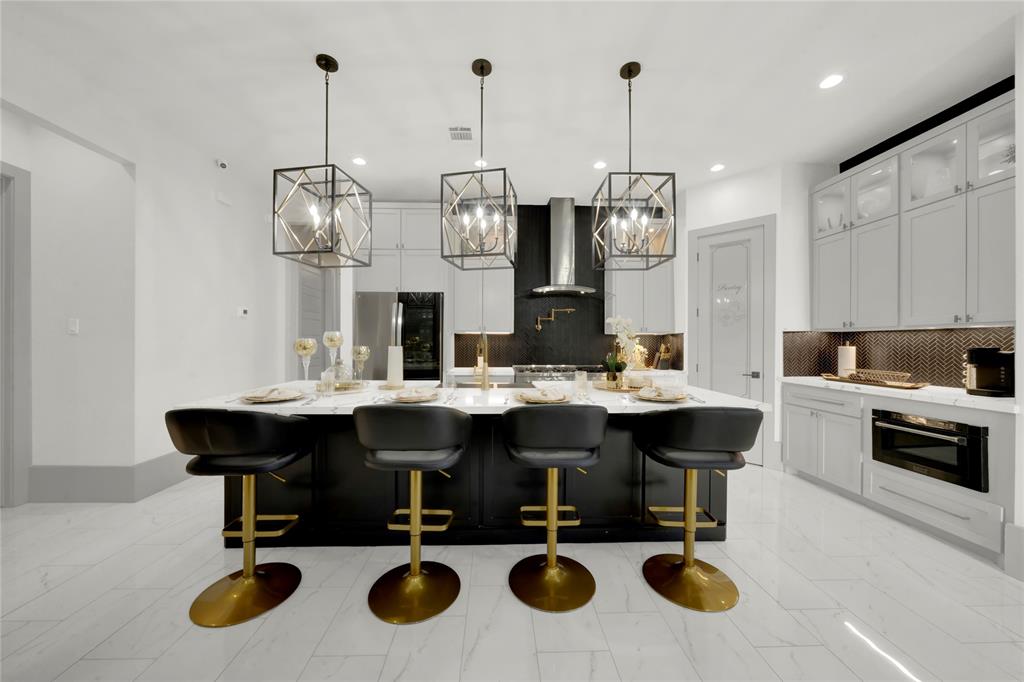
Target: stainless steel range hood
[563,251]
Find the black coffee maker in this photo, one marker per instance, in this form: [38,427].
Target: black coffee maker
[989,372]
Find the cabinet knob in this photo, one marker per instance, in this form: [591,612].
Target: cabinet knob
[970,318]
[956,189]
[970,185]
[956,318]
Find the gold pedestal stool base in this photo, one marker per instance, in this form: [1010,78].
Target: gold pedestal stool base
[566,586]
[398,597]
[700,587]
[234,599]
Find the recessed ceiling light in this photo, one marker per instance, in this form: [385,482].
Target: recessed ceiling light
[480,163]
[830,81]
[600,165]
[718,167]
[359,161]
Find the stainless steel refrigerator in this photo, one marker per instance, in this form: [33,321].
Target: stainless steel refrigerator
[413,320]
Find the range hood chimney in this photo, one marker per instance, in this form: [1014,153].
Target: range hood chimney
[563,251]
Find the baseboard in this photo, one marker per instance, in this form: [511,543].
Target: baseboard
[60,483]
[1013,550]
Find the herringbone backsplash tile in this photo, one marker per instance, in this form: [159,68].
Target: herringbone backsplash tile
[932,355]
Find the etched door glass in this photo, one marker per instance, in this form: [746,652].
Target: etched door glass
[935,168]
[993,147]
[874,191]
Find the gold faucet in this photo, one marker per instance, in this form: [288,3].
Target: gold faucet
[551,316]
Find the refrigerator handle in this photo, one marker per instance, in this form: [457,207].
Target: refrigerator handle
[399,323]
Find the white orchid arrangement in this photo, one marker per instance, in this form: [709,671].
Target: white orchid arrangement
[622,327]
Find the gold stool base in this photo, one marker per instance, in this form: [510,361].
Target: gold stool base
[567,586]
[398,597]
[234,599]
[701,587]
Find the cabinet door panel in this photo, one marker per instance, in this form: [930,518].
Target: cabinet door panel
[627,296]
[830,209]
[421,228]
[387,228]
[659,301]
[991,148]
[832,281]
[499,300]
[839,442]
[934,169]
[384,273]
[875,274]
[423,271]
[875,192]
[990,253]
[933,263]
[466,291]
[800,438]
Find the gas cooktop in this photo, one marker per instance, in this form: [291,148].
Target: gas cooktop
[533,372]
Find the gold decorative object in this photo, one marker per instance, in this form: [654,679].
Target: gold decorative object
[549,582]
[255,589]
[360,354]
[551,316]
[332,342]
[418,590]
[684,580]
[305,348]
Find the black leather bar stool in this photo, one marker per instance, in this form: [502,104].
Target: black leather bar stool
[553,437]
[694,439]
[245,444]
[413,438]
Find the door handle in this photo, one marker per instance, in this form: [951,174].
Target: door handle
[959,440]
[753,375]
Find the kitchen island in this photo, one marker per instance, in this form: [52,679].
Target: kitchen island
[342,502]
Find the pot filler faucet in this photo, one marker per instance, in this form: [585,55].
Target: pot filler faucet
[551,316]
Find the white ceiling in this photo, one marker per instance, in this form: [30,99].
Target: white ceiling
[734,83]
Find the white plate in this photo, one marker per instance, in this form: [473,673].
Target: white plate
[274,395]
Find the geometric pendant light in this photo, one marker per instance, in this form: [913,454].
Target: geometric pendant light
[322,216]
[479,209]
[634,212]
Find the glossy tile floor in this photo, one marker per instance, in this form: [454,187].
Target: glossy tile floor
[830,591]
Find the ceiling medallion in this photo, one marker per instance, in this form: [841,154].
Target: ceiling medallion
[634,212]
[323,217]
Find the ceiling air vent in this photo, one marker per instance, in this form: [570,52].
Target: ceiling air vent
[460,133]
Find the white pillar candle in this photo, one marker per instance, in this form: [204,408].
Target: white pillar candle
[395,366]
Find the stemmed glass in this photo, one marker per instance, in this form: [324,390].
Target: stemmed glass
[360,354]
[305,348]
[332,342]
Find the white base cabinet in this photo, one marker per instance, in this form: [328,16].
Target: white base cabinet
[821,436]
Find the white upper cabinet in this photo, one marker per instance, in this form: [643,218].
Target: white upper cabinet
[384,273]
[387,228]
[832,282]
[933,263]
[497,287]
[875,275]
[644,296]
[659,303]
[830,209]
[421,228]
[875,192]
[423,271]
[990,254]
[991,147]
[934,169]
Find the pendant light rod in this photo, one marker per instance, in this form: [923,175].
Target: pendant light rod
[481,68]
[328,65]
[628,72]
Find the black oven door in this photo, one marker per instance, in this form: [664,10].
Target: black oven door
[955,453]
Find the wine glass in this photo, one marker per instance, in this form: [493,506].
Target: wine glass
[305,348]
[332,342]
[360,354]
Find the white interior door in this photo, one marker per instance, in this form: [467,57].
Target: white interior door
[731,318]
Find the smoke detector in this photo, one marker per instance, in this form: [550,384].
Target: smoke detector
[460,133]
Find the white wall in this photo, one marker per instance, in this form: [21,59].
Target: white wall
[82,241]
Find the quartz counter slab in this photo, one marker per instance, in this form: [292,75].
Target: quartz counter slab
[939,395]
[469,400]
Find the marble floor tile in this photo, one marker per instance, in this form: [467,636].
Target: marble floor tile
[342,668]
[1010,617]
[1007,655]
[715,645]
[14,639]
[104,671]
[578,630]
[812,663]
[499,642]
[354,629]
[643,648]
[431,650]
[577,666]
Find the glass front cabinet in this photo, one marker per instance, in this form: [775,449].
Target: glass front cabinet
[991,147]
[875,192]
[830,209]
[934,169]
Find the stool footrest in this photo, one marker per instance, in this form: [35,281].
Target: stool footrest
[292,519]
[446,516]
[536,515]
[656,511]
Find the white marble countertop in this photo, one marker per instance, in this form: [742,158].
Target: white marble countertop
[941,395]
[469,400]
[468,371]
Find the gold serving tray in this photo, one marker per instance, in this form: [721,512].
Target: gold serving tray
[905,385]
[603,386]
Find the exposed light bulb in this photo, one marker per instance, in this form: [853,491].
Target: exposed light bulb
[643,220]
[465,219]
[633,214]
[615,220]
[479,211]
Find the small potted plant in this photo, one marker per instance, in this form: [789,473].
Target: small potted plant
[613,370]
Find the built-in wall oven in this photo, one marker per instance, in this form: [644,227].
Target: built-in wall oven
[949,451]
